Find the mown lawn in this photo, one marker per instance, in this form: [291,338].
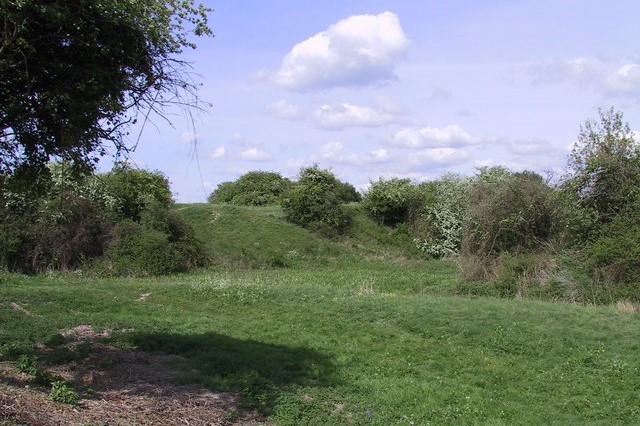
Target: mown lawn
[361,342]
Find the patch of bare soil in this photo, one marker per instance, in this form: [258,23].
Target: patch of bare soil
[117,387]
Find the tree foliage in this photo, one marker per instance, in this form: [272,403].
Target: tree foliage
[388,200]
[75,73]
[315,202]
[605,167]
[602,202]
[255,188]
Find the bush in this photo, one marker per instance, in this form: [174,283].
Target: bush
[140,250]
[347,193]
[251,189]
[614,257]
[388,201]
[132,191]
[314,203]
[437,215]
[56,230]
[161,243]
[75,220]
[513,214]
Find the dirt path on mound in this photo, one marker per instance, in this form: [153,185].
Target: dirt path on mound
[117,387]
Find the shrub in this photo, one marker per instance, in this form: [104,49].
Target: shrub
[314,203]
[388,201]
[251,189]
[56,229]
[614,257]
[161,243]
[437,214]
[224,193]
[513,214]
[347,193]
[74,219]
[132,191]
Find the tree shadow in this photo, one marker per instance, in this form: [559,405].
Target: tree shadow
[259,372]
[178,370]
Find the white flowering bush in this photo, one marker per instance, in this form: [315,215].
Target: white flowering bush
[439,215]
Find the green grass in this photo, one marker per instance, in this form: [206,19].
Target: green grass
[354,333]
[240,237]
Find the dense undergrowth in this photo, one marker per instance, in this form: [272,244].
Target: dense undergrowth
[117,223]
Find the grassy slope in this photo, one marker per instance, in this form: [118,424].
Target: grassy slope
[357,332]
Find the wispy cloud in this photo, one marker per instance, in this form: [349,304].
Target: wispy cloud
[335,152]
[284,110]
[624,80]
[610,78]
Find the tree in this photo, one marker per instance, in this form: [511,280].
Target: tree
[75,73]
[314,202]
[605,167]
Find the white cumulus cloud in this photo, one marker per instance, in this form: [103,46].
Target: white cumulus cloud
[356,51]
[341,116]
[434,137]
[254,154]
[284,110]
[218,153]
[332,151]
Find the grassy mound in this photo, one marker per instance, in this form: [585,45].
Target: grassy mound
[243,237]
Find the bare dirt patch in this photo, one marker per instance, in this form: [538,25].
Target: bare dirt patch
[116,387]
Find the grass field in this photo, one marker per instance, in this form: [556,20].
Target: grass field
[361,332]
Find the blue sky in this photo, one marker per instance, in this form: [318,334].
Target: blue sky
[399,88]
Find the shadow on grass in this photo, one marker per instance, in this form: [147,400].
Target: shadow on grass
[259,372]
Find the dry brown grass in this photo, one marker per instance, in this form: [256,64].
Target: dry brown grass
[627,307]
